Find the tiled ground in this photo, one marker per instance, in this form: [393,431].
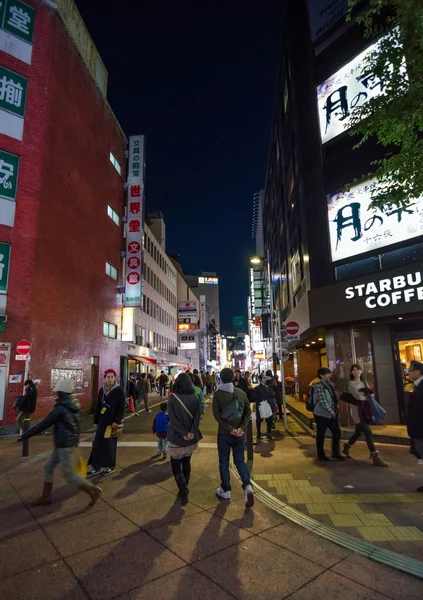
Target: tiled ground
[376,504]
[138,543]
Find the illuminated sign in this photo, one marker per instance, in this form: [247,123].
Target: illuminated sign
[339,95]
[187,327]
[393,290]
[213,280]
[323,14]
[354,229]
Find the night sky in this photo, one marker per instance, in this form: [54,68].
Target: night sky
[200,82]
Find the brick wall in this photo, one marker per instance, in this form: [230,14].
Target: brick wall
[59,294]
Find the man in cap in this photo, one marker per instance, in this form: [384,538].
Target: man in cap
[415,411]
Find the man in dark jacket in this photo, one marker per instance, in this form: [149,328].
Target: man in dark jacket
[415,411]
[262,393]
[239,382]
[65,419]
[163,380]
[197,380]
[142,392]
[109,412]
[231,409]
[26,404]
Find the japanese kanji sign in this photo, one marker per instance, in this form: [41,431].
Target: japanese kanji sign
[134,227]
[324,14]
[17,29]
[4,266]
[13,88]
[337,97]
[354,229]
[9,166]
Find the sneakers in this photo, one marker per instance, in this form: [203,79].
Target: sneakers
[323,458]
[93,472]
[223,495]
[108,471]
[248,496]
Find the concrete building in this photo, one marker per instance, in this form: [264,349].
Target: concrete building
[62,168]
[207,284]
[188,319]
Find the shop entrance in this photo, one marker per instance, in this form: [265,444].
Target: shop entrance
[406,351]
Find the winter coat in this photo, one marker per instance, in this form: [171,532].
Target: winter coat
[180,422]
[142,388]
[241,384]
[28,402]
[163,379]
[114,404]
[354,388]
[64,418]
[415,414]
[221,399]
[198,381]
[324,398]
[161,425]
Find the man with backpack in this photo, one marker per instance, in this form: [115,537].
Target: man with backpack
[231,409]
[322,401]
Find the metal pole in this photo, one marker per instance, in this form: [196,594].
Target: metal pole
[250,448]
[285,418]
[25,443]
[272,323]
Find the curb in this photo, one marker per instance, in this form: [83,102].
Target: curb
[380,555]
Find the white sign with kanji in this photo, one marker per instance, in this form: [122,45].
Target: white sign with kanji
[134,226]
[17,21]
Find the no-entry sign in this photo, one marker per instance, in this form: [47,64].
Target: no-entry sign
[23,347]
[292,328]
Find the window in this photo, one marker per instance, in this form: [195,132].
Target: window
[113,214]
[115,163]
[109,330]
[111,271]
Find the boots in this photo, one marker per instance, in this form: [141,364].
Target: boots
[183,490]
[377,461]
[45,497]
[93,491]
[346,450]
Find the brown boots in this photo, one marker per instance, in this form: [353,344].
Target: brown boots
[375,456]
[93,491]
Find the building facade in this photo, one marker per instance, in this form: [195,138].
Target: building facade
[62,163]
[207,284]
[350,278]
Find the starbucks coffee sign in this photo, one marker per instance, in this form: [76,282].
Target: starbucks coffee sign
[394,292]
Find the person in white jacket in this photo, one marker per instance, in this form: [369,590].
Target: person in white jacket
[360,389]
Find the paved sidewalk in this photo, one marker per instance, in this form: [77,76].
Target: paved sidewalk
[375,504]
[137,543]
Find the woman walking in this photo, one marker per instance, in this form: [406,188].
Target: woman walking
[184,433]
[360,390]
[109,411]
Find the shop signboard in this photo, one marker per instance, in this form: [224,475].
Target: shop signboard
[134,225]
[340,94]
[208,280]
[13,89]
[9,168]
[394,292]
[296,271]
[17,20]
[4,266]
[324,14]
[355,229]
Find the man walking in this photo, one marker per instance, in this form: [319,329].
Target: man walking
[240,382]
[232,411]
[415,412]
[163,379]
[142,393]
[325,410]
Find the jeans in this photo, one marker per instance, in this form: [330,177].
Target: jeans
[323,423]
[226,442]
[162,390]
[363,428]
[64,458]
[181,466]
[162,444]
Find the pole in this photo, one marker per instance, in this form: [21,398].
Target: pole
[250,448]
[285,418]
[272,322]
[25,443]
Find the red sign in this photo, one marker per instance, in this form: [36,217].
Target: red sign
[292,327]
[24,347]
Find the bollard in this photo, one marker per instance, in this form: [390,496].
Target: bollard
[25,443]
[250,449]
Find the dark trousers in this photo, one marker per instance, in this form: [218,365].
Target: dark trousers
[280,410]
[162,390]
[322,424]
[269,423]
[225,443]
[181,469]
[365,429]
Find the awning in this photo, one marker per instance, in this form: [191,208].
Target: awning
[144,360]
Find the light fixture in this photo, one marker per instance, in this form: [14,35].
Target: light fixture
[313,342]
[256,260]
[373,321]
[399,318]
[308,345]
[320,339]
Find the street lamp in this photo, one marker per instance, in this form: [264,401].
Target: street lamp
[256,260]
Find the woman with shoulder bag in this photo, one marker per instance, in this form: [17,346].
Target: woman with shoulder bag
[361,416]
[184,434]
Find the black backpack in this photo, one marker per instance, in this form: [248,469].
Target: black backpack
[310,400]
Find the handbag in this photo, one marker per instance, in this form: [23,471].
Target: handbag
[265,410]
[233,412]
[113,433]
[365,412]
[378,412]
[79,464]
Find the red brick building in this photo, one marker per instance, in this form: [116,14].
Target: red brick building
[63,224]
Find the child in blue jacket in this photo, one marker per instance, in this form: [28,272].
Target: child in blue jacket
[160,429]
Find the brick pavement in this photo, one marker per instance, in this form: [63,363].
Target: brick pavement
[138,543]
[381,505]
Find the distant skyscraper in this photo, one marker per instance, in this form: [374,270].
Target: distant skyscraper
[208,285]
[257,232]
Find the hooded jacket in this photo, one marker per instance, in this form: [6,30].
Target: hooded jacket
[64,418]
[324,398]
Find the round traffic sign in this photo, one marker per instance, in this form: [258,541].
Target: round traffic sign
[24,347]
[292,327]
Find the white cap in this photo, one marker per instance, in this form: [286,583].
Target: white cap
[65,386]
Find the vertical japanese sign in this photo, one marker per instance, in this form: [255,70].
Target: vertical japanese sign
[354,229]
[9,166]
[17,29]
[4,266]
[134,226]
[13,88]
